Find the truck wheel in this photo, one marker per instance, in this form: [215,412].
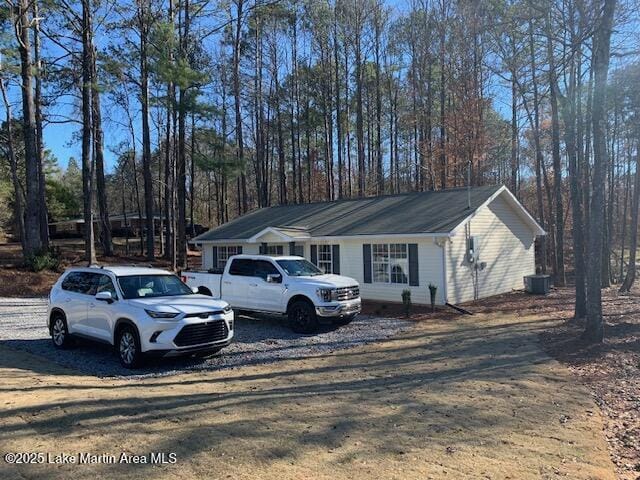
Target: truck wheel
[302,317]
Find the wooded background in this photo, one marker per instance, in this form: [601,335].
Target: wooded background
[221,107]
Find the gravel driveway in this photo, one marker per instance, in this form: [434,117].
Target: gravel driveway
[22,326]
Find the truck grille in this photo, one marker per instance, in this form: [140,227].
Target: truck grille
[347,293]
[199,333]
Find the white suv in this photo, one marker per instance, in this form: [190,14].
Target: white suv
[141,311]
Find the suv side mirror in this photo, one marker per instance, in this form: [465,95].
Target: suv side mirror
[195,289]
[104,297]
[274,278]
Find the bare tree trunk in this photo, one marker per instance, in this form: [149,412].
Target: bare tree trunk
[538,148]
[169,206]
[359,114]
[98,148]
[33,241]
[514,139]
[242,180]
[87,170]
[559,269]
[594,331]
[144,19]
[42,194]
[18,203]
[339,133]
[630,277]
[181,173]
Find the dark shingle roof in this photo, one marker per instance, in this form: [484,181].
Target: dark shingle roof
[418,212]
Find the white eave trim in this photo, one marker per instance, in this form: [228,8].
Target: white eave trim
[535,226]
[277,232]
[327,238]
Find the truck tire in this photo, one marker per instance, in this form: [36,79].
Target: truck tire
[302,317]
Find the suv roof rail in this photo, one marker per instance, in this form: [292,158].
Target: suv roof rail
[140,265]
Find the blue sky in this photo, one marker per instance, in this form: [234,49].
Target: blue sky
[59,137]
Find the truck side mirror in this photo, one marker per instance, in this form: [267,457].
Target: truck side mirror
[274,278]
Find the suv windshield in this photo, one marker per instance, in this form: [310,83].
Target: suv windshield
[299,268]
[144,286]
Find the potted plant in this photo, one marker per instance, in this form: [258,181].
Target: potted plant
[406,302]
[432,292]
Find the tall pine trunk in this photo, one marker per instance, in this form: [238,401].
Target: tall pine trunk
[594,331]
[144,19]
[87,170]
[33,241]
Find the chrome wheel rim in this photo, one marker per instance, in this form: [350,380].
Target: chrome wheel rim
[58,332]
[127,347]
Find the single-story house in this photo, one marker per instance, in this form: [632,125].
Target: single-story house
[468,242]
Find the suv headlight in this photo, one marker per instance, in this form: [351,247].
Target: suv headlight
[154,314]
[325,294]
[227,309]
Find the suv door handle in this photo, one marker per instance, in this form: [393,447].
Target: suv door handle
[253,284]
[91,305]
[227,283]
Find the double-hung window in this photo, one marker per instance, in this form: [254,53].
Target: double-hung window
[390,263]
[325,258]
[225,252]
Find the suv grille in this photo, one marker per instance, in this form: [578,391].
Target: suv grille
[347,293]
[199,333]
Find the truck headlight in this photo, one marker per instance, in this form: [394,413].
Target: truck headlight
[227,309]
[154,314]
[325,294]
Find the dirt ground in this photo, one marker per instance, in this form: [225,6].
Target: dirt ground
[610,370]
[465,398]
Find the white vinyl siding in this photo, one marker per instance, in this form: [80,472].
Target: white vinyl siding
[429,269]
[503,242]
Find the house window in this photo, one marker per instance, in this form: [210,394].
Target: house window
[274,250]
[225,252]
[325,258]
[390,263]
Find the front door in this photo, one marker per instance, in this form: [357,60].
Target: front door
[76,288]
[269,296]
[99,313]
[237,285]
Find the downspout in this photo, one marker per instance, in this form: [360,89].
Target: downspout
[442,243]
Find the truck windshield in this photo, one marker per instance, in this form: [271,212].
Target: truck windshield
[145,286]
[299,268]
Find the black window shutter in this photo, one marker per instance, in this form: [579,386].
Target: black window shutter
[292,248]
[366,262]
[335,257]
[279,250]
[214,257]
[413,265]
[239,249]
[263,249]
[314,254]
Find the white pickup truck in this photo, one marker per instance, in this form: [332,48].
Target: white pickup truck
[289,286]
